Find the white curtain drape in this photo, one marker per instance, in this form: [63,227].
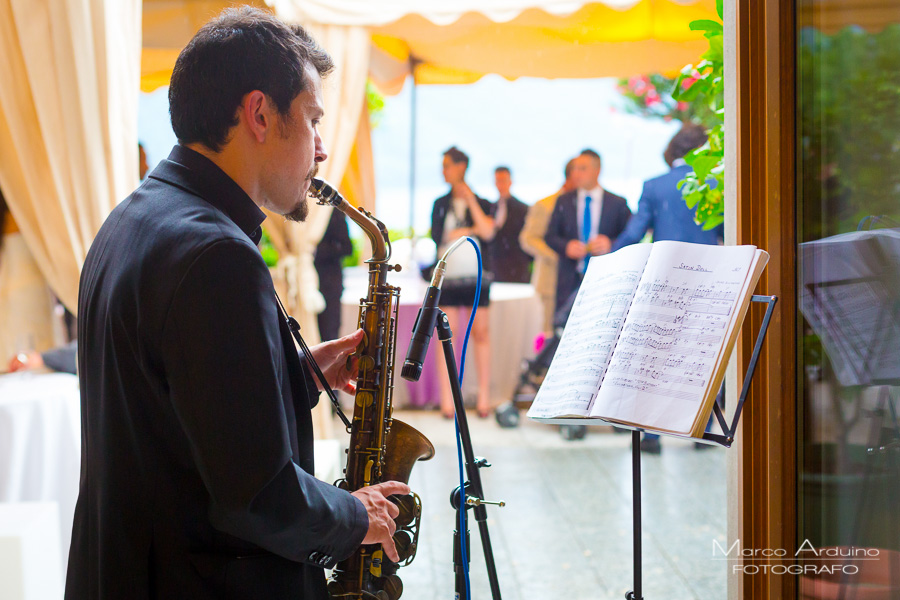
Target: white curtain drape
[69,77]
[344,95]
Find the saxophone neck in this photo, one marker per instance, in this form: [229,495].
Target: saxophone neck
[374,229]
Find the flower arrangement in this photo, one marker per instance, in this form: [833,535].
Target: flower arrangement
[697,95]
[651,96]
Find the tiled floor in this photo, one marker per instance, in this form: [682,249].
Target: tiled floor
[566,529]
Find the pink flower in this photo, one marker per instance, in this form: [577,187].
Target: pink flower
[539,342]
[688,82]
[682,106]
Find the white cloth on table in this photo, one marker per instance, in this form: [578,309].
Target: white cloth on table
[40,443]
[516,318]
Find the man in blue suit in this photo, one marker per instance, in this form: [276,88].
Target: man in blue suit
[662,209]
[585,223]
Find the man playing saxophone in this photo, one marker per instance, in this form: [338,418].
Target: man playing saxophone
[197,445]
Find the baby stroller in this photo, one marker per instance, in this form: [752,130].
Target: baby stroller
[533,373]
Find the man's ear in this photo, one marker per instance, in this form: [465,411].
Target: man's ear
[256,114]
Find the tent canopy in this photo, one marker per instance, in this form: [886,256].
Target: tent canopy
[462,41]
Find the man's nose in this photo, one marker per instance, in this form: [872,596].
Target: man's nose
[321,153]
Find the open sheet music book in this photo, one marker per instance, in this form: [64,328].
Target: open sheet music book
[649,336]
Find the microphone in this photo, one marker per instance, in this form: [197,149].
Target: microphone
[425,324]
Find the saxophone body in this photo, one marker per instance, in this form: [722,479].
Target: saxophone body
[381,448]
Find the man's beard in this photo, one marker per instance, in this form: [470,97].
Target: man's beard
[300,213]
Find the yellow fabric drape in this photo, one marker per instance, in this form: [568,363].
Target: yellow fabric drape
[460,42]
[68,124]
[167,26]
[358,185]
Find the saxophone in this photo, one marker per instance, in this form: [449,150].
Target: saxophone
[381,448]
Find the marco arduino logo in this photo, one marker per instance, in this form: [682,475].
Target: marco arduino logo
[805,560]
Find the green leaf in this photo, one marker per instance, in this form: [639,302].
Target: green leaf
[269,255]
[703,165]
[706,25]
[713,222]
[720,9]
[714,54]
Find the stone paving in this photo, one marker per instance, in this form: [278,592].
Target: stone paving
[566,530]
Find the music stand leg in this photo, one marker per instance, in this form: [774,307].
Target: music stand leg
[473,485]
[636,594]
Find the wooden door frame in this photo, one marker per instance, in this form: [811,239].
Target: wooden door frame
[764,158]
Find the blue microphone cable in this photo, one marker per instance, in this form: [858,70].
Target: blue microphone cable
[462,479]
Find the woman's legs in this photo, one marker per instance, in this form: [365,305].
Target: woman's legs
[444,379]
[481,337]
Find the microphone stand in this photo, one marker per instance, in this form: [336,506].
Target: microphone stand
[473,493]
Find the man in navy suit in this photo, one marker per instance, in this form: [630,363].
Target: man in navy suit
[585,222]
[662,208]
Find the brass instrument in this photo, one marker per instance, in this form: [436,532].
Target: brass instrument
[381,448]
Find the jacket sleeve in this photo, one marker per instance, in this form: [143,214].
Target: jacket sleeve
[531,238]
[622,221]
[639,223]
[555,237]
[224,362]
[437,222]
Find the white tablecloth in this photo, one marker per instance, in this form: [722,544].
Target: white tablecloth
[516,318]
[40,443]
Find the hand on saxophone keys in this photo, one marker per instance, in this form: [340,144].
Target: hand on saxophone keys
[338,360]
[381,512]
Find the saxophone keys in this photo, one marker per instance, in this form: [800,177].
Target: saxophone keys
[364,399]
[404,544]
[366,363]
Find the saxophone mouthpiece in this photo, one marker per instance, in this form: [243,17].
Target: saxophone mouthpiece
[324,192]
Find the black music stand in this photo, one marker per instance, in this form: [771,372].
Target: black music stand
[725,440]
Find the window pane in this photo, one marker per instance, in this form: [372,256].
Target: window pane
[848,199]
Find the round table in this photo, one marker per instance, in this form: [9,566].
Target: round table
[40,443]
[516,317]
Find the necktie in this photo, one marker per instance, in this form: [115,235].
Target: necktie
[586,228]
[586,220]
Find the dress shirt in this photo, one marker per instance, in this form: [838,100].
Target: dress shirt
[596,195]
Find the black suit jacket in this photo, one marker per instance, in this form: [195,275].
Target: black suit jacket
[509,262]
[197,448]
[563,228]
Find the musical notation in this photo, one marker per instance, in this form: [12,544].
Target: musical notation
[674,333]
[591,332]
[645,339]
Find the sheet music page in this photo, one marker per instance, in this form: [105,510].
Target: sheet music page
[590,335]
[673,335]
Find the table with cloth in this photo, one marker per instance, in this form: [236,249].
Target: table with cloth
[515,321]
[40,444]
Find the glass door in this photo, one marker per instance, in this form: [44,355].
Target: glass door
[848,291]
